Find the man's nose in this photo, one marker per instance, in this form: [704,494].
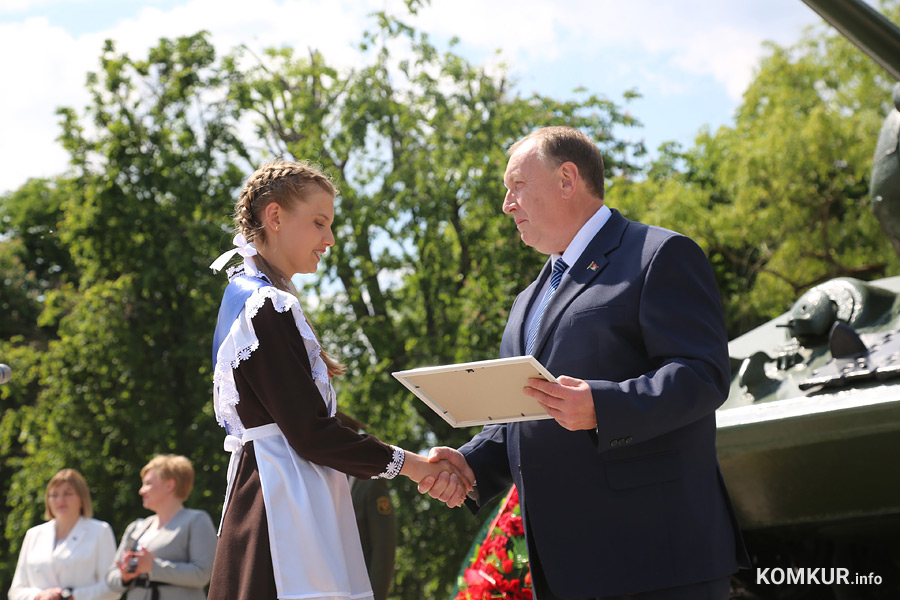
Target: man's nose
[508,202]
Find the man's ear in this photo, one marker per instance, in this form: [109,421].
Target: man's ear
[568,179]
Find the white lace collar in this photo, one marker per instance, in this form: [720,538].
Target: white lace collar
[241,342]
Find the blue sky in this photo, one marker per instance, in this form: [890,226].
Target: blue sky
[690,59]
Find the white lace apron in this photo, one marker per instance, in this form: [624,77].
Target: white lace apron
[313,536]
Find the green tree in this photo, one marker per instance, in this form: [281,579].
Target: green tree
[33,259]
[426,265]
[779,199]
[35,265]
[126,301]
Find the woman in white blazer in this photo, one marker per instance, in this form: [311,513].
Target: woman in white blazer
[169,555]
[68,556]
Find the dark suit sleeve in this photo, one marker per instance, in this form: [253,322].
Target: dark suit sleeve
[683,331]
[487,456]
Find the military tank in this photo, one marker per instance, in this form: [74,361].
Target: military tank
[813,414]
[809,437]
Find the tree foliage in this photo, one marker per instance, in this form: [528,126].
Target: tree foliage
[114,365]
[779,199]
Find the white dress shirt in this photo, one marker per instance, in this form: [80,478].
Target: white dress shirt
[572,253]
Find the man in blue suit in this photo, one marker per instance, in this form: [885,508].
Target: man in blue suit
[621,490]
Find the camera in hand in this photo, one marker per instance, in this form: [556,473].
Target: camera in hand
[131,567]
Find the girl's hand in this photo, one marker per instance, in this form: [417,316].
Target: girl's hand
[451,482]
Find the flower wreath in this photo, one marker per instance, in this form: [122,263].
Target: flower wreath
[499,566]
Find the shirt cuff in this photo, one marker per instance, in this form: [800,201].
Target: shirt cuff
[393,467]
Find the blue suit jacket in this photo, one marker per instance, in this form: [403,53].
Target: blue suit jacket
[638,504]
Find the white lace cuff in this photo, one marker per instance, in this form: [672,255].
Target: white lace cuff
[393,468]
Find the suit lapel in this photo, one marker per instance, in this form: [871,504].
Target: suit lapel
[589,265]
[165,536]
[520,311]
[68,546]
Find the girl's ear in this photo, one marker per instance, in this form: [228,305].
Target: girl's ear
[272,216]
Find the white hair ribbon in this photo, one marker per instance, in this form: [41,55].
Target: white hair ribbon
[242,247]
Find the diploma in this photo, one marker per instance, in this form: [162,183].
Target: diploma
[479,393]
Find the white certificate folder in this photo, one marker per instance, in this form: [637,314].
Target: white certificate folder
[479,393]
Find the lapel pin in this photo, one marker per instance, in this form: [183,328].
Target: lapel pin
[593,266]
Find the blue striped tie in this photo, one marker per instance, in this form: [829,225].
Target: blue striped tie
[559,267]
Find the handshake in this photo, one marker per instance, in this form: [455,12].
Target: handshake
[444,475]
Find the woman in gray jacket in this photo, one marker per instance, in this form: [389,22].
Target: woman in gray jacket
[169,555]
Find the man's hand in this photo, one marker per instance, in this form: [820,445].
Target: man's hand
[442,478]
[442,488]
[570,401]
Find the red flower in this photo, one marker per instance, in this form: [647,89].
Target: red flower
[495,545]
[491,572]
[511,525]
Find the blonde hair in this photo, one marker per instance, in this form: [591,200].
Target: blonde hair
[75,479]
[171,466]
[283,182]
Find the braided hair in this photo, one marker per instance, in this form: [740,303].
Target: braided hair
[283,182]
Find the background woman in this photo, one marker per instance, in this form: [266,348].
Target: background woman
[288,528]
[67,556]
[169,555]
